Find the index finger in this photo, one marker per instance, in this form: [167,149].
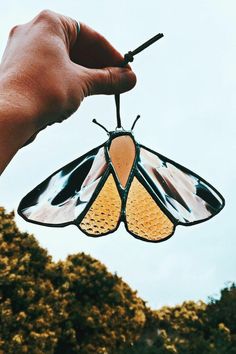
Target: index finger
[92,50]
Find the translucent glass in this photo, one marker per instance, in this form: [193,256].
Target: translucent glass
[184,194]
[104,214]
[63,196]
[144,217]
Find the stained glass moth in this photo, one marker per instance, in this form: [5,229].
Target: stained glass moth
[122,180]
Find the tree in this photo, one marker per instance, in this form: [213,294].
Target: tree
[191,328]
[75,306]
[30,306]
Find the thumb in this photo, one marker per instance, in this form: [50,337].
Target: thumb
[110,80]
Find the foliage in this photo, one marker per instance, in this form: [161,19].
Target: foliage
[77,306]
[29,305]
[191,328]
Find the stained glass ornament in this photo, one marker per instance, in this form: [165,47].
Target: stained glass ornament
[122,181]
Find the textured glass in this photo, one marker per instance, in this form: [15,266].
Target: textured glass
[63,196]
[104,214]
[144,217]
[184,194]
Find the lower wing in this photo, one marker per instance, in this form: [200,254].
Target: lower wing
[144,218]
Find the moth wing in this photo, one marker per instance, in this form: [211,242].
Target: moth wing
[184,197]
[64,196]
[144,218]
[103,216]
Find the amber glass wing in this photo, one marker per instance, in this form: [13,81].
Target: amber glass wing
[103,217]
[183,196]
[144,217]
[63,197]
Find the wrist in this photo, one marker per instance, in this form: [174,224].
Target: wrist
[17,123]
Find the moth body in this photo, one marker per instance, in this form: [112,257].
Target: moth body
[122,153]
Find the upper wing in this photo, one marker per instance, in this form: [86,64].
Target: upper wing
[63,197]
[184,196]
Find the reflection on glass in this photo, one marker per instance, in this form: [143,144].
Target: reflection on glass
[181,192]
[63,196]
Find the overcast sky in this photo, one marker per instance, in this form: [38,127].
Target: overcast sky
[186,95]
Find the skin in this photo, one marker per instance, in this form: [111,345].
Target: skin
[47,71]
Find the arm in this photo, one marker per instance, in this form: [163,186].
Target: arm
[46,71]
[15,128]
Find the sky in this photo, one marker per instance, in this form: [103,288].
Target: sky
[186,95]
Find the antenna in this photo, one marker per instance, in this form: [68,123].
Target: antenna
[100,125]
[135,121]
[129,57]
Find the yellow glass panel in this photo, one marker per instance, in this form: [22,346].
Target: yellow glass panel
[144,217]
[104,214]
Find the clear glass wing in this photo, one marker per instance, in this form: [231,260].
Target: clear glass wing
[63,196]
[185,195]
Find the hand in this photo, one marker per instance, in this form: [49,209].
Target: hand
[47,70]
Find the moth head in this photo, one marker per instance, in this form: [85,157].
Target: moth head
[117,130]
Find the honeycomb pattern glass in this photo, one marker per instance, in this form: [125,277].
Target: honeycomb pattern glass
[144,217]
[104,214]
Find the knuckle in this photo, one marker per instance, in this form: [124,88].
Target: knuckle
[71,26]
[87,86]
[45,16]
[14,30]
[109,77]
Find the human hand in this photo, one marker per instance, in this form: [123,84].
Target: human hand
[47,70]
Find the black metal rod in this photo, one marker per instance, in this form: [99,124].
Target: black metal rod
[148,43]
[117,100]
